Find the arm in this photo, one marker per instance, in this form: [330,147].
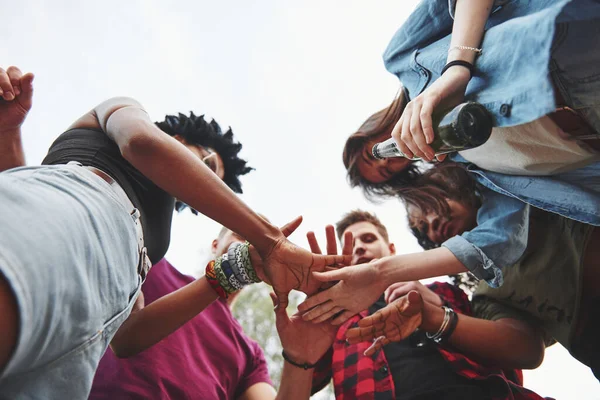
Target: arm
[174,168]
[414,130]
[149,325]
[171,166]
[16,92]
[514,343]
[361,285]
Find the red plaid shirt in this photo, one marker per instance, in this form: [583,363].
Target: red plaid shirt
[365,378]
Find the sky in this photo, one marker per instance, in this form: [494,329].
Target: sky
[292,79]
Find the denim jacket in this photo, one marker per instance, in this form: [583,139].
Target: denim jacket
[513,74]
[500,238]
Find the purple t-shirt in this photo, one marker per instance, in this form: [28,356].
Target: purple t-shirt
[210,357]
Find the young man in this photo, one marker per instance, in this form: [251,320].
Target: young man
[415,367]
[209,357]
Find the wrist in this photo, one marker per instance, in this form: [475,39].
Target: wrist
[433,317]
[299,360]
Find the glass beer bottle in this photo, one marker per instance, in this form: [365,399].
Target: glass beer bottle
[466,126]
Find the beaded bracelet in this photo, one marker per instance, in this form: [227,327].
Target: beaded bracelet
[213,281]
[231,271]
[474,49]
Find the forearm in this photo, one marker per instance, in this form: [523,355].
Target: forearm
[505,343]
[470,17]
[295,383]
[179,172]
[416,266]
[11,150]
[153,323]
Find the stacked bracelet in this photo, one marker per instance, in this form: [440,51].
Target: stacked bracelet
[447,327]
[232,271]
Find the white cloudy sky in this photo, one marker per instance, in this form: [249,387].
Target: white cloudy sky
[293,79]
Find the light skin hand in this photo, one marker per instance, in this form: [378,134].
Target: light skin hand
[329,310]
[399,289]
[393,323]
[302,341]
[359,287]
[414,131]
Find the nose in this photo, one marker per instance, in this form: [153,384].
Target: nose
[359,248]
[434,223]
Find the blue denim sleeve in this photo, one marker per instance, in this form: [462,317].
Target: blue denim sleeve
[499,239]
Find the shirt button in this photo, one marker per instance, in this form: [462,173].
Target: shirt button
[383,369]
[505,110]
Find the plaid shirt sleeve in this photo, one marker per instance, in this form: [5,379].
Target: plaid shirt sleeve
[322,373]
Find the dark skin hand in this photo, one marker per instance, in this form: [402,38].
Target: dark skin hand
[393,323]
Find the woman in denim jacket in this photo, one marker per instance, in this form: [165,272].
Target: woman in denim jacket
[535,70]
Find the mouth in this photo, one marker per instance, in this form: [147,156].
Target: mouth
[363,260]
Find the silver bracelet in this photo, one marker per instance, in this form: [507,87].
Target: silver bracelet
[475,49]
[436,336]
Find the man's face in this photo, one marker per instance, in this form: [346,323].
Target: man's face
[368,244]
[220,245]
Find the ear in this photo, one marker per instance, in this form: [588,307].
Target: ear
[392,248]
[213,246]
[179,139]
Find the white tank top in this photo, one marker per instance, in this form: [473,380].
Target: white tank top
[539,147]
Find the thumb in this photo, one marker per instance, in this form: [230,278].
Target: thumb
[415,301]
[291,226]
[336,275]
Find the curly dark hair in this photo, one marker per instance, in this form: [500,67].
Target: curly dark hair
[197,131]
[378,125]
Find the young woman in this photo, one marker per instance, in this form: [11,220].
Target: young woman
[76,235]
[551,281]
[541,88]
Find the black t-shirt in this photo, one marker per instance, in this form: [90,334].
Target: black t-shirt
[419,372]
[94,148]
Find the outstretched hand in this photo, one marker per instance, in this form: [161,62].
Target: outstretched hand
[288,267]
[359,287]
[393,323]
[16,92]
[303,341]
[414,131]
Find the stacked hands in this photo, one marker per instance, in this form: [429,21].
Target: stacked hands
[344,291]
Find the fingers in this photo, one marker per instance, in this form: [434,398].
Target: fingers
[362,333]
[337,259]
[376,346]
[427,122]
[331,241]
[348,244]
[322,312]
[14,75]
[290,227]
[399,139]
[312,242]
[315,300]
[343,317]
[337,275]
[396,290]
[282,300]
[6,89]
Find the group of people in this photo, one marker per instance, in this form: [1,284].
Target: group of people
[84,234]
